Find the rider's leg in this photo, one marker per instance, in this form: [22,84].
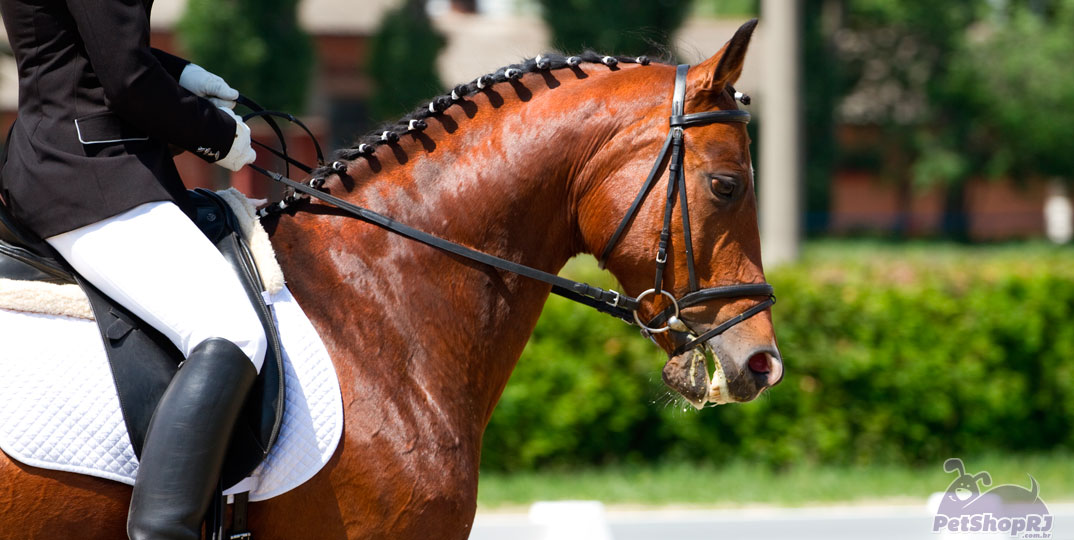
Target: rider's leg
[156,263]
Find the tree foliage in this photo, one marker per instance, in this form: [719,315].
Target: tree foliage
[898,58]
[402,61]
[628,27]
[958,89]
[255,45]
[1017,78]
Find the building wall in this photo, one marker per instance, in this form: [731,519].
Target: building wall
[865,203]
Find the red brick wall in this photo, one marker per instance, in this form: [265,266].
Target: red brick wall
[1002,210]
[863,202]
[998,210]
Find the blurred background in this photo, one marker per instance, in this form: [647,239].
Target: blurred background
[914,162]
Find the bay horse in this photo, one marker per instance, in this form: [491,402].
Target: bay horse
[534,169]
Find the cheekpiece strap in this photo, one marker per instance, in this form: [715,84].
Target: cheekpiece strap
[678,101]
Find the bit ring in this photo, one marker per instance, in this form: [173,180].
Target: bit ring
[674,304]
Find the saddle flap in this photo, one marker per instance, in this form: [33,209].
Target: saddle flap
[218,222]
[143,362]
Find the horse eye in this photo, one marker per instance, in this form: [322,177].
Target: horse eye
[723,187]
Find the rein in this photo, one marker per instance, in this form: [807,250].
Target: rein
[610,302]
[616,304]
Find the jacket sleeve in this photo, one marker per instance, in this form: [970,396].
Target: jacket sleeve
[174,65]
[137,86]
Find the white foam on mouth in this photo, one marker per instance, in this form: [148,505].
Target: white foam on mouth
[697,361]
[719,393]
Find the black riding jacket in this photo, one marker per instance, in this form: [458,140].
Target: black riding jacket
[97,110]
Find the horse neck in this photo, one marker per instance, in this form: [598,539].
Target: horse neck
[497,174]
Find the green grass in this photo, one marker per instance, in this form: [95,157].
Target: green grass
[738,483]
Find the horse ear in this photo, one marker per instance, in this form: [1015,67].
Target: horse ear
[724,67]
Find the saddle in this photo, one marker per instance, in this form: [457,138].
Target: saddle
[143,361]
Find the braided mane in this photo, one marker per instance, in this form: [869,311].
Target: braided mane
[415,120]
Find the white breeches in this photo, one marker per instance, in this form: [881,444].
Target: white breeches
[155,262]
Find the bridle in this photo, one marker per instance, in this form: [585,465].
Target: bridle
[674,145]
[606,301]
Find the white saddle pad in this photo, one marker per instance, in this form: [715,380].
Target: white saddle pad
[59,410]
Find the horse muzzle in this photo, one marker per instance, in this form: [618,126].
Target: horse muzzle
[741,370]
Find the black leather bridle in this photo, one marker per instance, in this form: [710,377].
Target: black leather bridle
[611,302]
[673,145]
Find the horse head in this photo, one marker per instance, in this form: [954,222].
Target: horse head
[722,208]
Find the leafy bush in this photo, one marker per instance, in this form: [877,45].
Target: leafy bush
[891,357]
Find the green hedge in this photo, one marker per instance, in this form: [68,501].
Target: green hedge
[893,355]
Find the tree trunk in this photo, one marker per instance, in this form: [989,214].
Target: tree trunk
[956,222]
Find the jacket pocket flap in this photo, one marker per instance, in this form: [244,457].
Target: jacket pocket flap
[106,127]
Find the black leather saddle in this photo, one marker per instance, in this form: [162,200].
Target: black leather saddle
[143,361]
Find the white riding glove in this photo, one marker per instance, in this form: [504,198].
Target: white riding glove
[209,86]
[241,153]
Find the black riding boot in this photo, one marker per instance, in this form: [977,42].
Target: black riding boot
[186,442]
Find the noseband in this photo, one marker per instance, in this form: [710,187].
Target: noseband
[668,320]
[605,301]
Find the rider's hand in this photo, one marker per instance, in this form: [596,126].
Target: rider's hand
[209,86]
[241,153]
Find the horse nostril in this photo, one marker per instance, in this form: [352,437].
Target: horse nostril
[759,363]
